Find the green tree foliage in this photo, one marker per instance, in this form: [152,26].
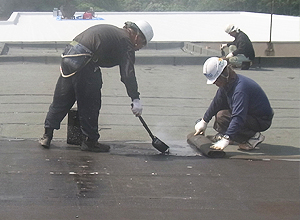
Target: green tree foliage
[285,7]
[35,5]
[98,5]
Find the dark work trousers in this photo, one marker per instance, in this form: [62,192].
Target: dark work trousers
[85,88]
[252,125]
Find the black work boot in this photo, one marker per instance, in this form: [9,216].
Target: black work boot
[245,65]
[47,137]
[94,146]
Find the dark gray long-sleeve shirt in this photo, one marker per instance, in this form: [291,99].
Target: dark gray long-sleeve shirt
[111,47]
[243,97]
[244,45]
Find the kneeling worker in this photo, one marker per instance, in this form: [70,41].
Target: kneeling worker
[241,52]
[240,106]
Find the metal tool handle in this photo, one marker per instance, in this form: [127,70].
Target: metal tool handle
[222,53]
[146,127]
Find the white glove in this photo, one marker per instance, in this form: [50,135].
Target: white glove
[229,55]
[220,145]
[200,127]
[223,46]
[136,107]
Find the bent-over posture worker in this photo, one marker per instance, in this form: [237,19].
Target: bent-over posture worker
[68,10]
[81,80]
[240,106]
[241,51]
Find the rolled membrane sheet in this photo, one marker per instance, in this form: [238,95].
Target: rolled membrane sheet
[203,144]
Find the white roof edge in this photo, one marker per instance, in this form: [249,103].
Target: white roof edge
[194,26]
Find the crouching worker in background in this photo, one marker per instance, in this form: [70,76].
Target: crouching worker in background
[80,81]
[241,52]
[240,106]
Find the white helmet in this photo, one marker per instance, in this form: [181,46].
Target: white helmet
[230,28]
[212,68]
[146,29]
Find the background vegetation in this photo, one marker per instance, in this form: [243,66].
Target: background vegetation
[283,7]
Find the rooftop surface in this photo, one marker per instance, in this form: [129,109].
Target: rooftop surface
[174,97]
[134,181]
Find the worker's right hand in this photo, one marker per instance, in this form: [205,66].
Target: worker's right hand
[223,46]
[221,144]
[136,107]
[200,127]
[229,55]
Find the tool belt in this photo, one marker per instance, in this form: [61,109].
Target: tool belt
[74,58]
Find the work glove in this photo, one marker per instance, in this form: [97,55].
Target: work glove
[220,145]
[223,46]
[200,127]
[136,107]
[229,55]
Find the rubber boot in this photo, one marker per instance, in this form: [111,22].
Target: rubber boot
[94,146]
[47,137]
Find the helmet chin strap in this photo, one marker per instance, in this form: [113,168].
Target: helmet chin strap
[135,39]
[226,77]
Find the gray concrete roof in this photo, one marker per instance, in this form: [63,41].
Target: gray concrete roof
[174,97]
[133,181]
[168,26]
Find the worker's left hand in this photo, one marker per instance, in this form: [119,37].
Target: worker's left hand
[136,107]
[229,55]
[220,145]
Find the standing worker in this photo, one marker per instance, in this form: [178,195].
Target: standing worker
[101,45]
[241,52]
[240,106]
[68,10]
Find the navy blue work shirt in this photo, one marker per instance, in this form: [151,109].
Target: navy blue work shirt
[243,97]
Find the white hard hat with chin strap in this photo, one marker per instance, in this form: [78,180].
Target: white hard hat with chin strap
[146,30]
[231,28]
[212,68]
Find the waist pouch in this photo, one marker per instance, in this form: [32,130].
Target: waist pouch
[74,58]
